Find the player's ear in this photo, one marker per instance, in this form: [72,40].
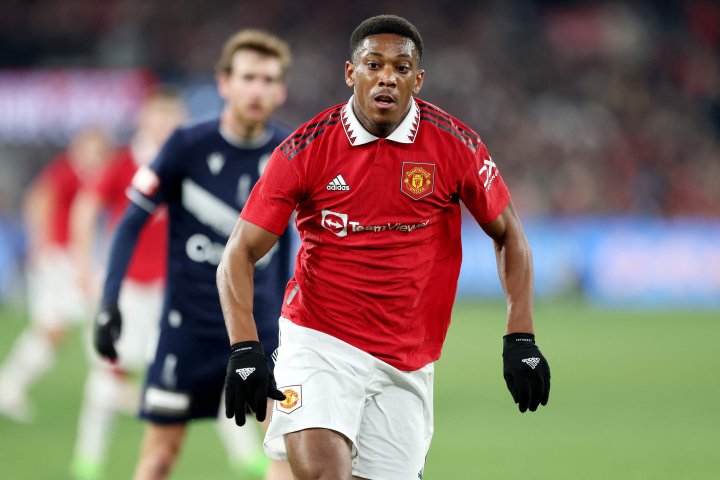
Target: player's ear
[281,94]
[419,79]
[222,85]
[349,74]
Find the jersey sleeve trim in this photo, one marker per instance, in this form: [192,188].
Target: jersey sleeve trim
[302,138]
[264,223]
[444,121]
[140,200]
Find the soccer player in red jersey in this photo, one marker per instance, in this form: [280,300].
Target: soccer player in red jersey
[376,184]
[110,388]
[55,300]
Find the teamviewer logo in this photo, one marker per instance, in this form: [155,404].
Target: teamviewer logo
[335,222]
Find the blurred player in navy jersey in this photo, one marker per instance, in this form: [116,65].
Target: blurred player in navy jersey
[55,299]
[110,388]
[376,183]
[204,175]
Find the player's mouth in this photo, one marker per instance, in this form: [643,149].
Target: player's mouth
[384,101]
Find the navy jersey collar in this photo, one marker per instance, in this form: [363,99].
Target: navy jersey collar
[245,144]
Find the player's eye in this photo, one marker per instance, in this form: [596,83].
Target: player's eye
[403,68]
[373,65]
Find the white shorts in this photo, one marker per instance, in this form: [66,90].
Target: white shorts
[54,297]
[141,307]
[386,413]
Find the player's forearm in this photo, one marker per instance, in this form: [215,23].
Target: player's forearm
[121,249]
[85,212]
[514,259]
[36,215]
[235,286]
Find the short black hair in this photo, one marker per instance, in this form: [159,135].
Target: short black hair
[385,24]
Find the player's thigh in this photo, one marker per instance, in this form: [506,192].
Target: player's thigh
[141,307]
[397,426]
[324,382]
[319,453]
[55,301]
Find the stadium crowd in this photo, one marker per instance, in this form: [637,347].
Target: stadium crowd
[604,109]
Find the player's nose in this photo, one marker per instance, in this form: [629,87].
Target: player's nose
[387,76]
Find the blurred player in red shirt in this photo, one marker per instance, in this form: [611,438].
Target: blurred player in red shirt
[376,184]
[55,300]
[108,388]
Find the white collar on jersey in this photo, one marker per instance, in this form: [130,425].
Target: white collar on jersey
[357,135]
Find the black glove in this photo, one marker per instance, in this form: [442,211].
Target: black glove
[527,373]
[108,324]
[248,382]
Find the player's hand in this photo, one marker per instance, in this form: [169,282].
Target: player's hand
[108,325]
[248,382]
[527,373]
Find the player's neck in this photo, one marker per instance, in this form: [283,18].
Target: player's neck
[243,131]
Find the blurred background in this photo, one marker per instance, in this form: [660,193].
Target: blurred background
[603,118]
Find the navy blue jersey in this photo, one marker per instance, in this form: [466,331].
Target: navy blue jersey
[204,178]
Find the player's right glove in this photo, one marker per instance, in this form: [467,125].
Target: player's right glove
[248,382]
[527,373]
[108,325]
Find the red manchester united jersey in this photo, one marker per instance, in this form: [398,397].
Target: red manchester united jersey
[379,220]
[149,257]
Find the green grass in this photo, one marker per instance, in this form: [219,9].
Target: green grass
[634,396]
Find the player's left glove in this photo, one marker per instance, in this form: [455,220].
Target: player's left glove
[108,325]
[527,373]
[248,382]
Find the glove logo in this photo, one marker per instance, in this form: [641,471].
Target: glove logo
[246,372]
[103,318]
[532,362]
[293,399]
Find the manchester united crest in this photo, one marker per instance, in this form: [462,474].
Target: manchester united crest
[293,399]
[418,179]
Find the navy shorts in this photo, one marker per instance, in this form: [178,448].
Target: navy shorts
[185,380]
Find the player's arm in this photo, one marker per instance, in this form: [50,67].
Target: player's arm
[37,205]
[84,218]
[108,323]
[147,190]
[248,243]
[515,268]
[248,381]
[526,371]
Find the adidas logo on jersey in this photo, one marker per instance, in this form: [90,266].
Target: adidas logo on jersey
[532,362]
[338,183]
[245,372]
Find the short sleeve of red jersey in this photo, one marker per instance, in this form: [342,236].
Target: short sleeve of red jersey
[482,189]
[275,195]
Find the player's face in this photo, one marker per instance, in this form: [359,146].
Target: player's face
[384,74]
[254,88]
[89,150]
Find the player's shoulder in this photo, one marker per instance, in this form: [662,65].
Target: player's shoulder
[310,131]
[447,126]
[57,168]
[198,131]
